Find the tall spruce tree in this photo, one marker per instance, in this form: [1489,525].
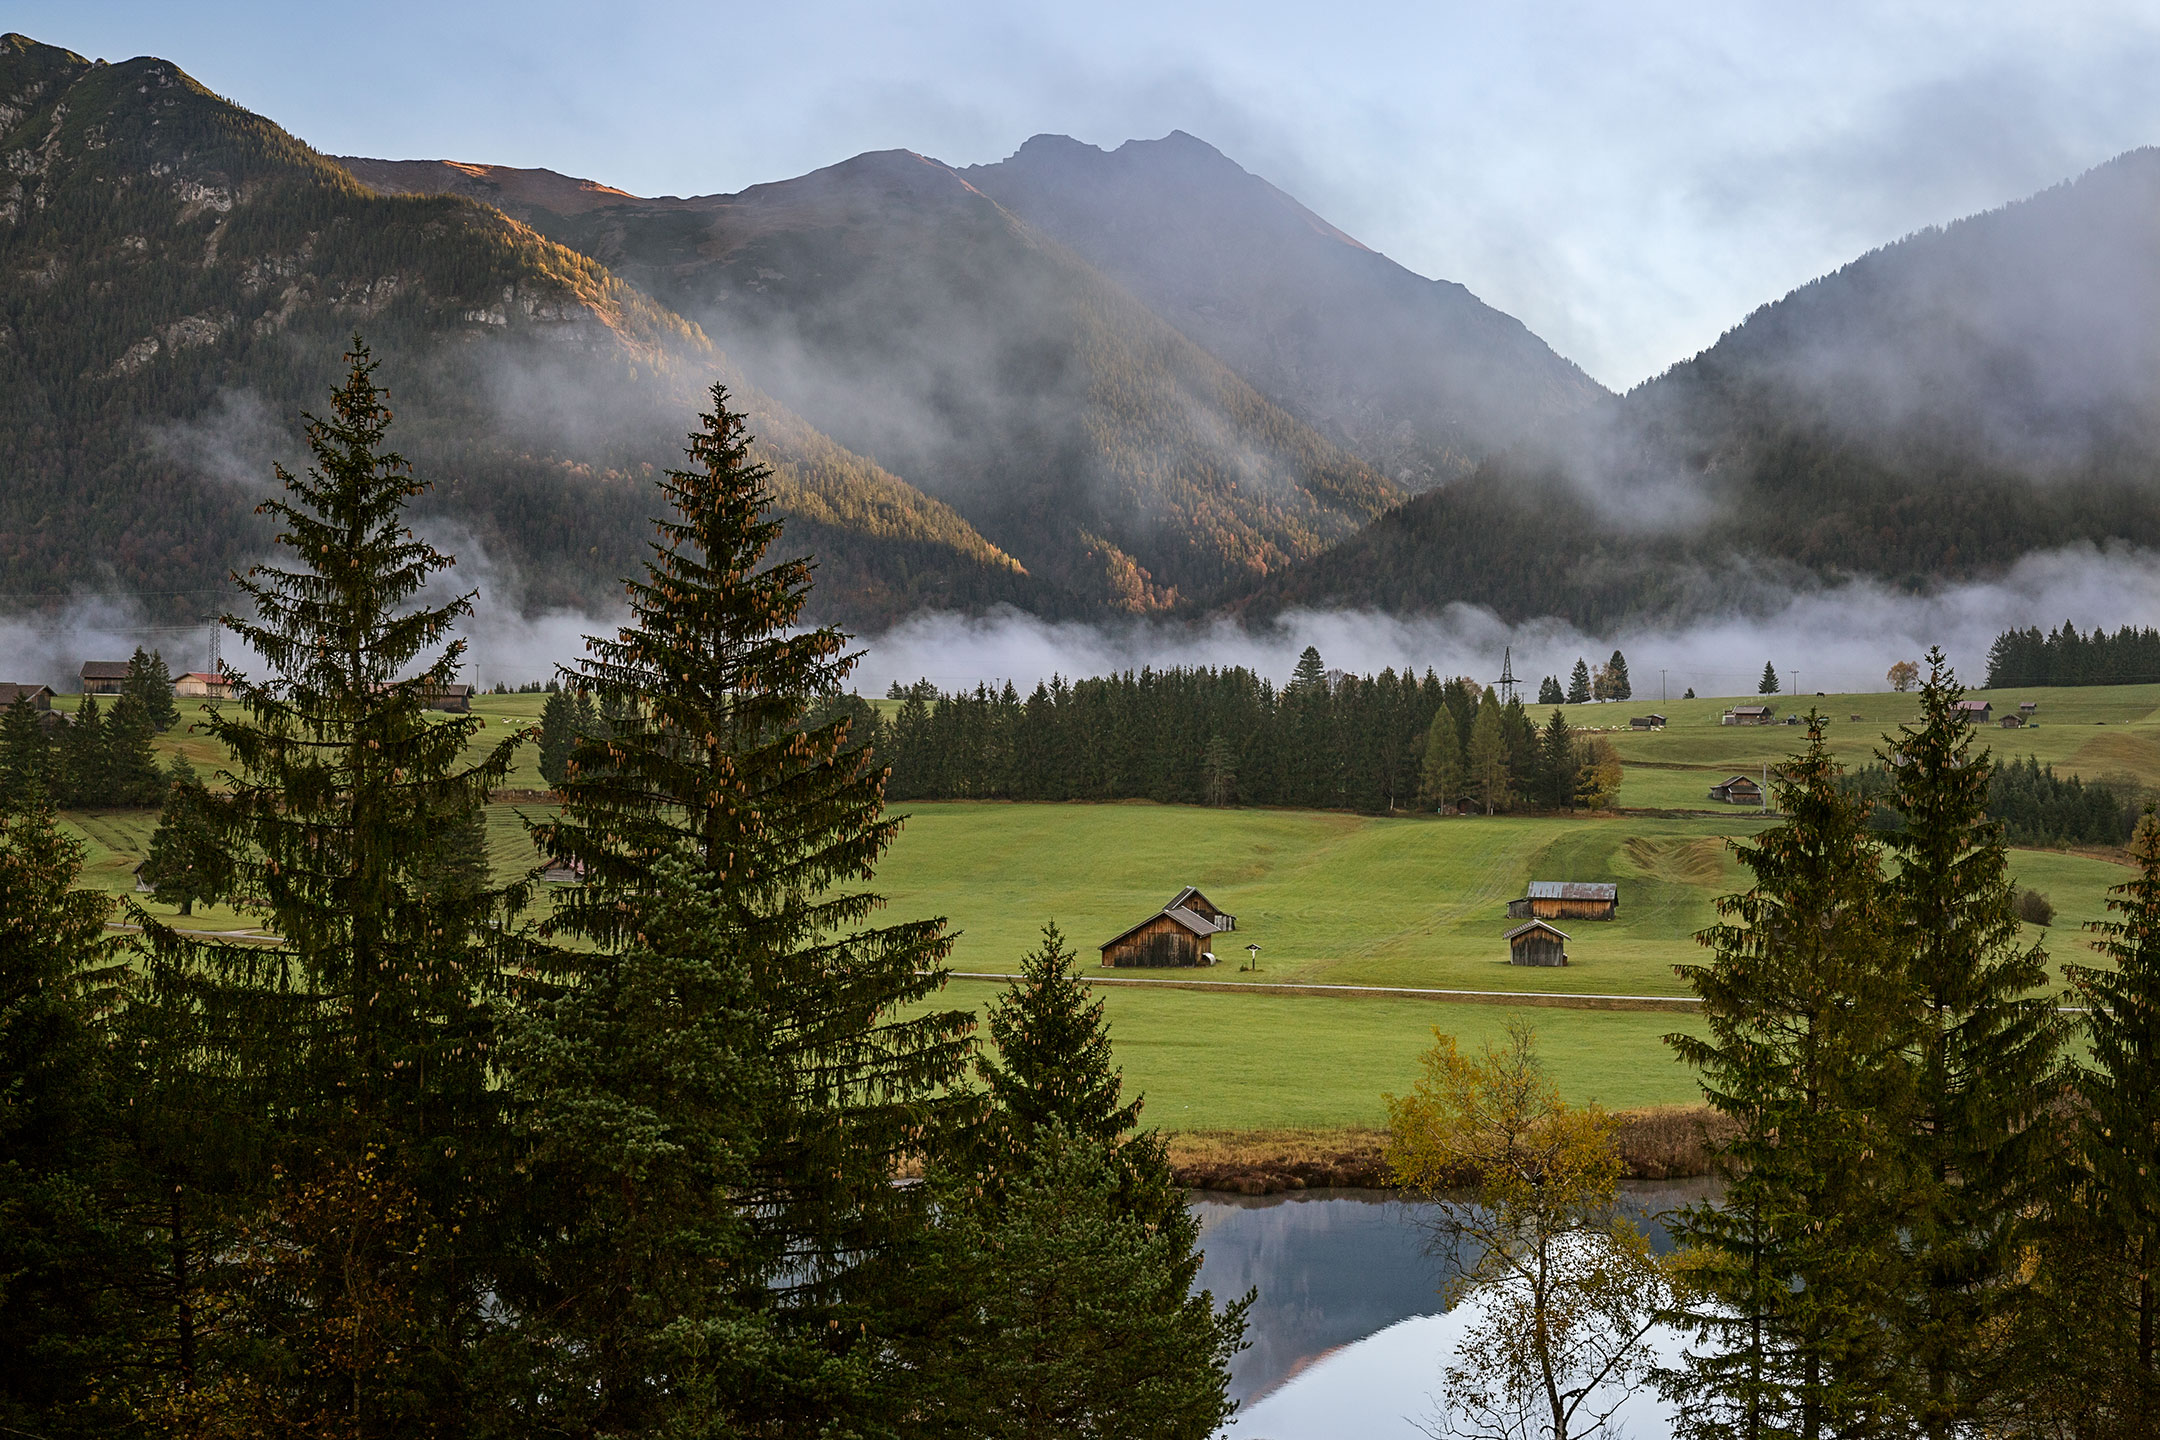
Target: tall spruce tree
[28,759]
[66,1260]
[707,763]
[1557,767]
[1768,685]
[1488,756]
[1578,685]
[1549,691]
[2106,1245]
[1617,681]
[1802,1005]
[187,864]
[558,733]
[1443,778]
[151,684]
[388,988]
[1057,1288]
[85,758]
[1980,1056]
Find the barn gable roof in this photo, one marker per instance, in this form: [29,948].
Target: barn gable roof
[1974,706]
[1197,924]
[11,691]
[1572,890]
[1727,784]
[105,670]
[1178,901]
[1521,930]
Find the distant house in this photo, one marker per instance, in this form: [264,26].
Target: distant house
[1176,935]
[1750,715]
[1974,712]
[456,698]
[2013,722]
[39,696]
[1739,790]
[2026,707]
[1566,900]
[1537,943]
[104,677]
[1646,722]
[203,685]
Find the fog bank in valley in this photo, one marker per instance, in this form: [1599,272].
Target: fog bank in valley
[1832,639]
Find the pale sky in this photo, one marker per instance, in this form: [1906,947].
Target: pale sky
[1630,179]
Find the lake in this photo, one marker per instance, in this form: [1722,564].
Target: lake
[1348,1332]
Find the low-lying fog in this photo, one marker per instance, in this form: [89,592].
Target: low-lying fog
[1831,639]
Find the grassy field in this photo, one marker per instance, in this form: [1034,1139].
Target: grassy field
[1257,1062]
[1406,901]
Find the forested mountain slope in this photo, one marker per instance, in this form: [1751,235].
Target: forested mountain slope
[178,279]
[1416,376]
[1930,412]
[906,314]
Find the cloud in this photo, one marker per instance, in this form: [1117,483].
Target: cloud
[1838,639]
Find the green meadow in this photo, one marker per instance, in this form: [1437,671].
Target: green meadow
[1407,901]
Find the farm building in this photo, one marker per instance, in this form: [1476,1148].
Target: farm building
[104,677]
[1177,934]
[1537,943]
[2012,722]
[1646,722]
[454,698]
[38,696]
[2026,707]
[1974,712]
[1750,715]
[202,685]
[1566,900]
[1739,790]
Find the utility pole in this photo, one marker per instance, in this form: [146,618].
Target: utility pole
[1661,687]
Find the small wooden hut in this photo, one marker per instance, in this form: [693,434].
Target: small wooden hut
[2026,707]
[2012,722]
[1567,900]
[202,685]
[1750,715]
[37,697]
[104,677]
[1738,790]
[1974,712]
[1646,722]
[1537,943]
[1176,935]
[455,698]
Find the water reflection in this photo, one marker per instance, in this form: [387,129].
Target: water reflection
[1336,1266]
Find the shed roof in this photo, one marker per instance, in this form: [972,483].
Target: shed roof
[1972,705]
[11,691]
[1197,924]
[1191,892]
[1572,890]
[1521,930]
[1751,709]
[1728,783]
[105,670]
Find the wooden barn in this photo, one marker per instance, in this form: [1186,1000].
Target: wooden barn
[2012,722]
[1739,790]
[104,677]
[1646,722]
[454,698]
[1176,935]
[1750,715]
[202,685]
[2027,707]
[38,697]
[1537,943]
[1974,712]
[1567,900]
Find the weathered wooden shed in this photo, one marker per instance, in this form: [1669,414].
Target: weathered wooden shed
[1176,935]
[1750,715]
[2026,707]
[1738,790]
[202,685]
[1537,943]
[1646,722]
[2012,722]
[38,697]
[104,677]
[1974,712]
[1567,900]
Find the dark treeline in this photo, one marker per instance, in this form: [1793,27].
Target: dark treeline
[2064,657]
[440,1163]
[2032,804]
[1942,1194]
[1375,743]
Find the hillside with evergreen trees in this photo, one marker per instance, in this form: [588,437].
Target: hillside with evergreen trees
[174,272]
